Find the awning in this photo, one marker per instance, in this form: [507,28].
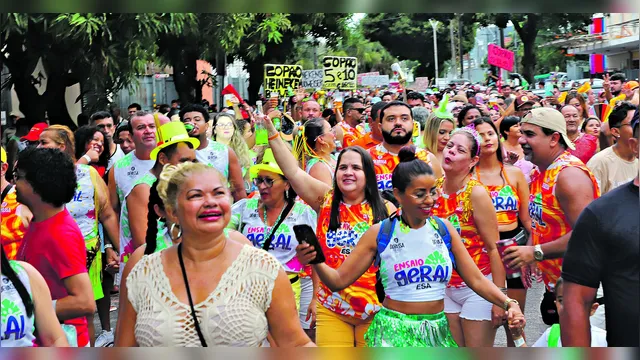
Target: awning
[617,39]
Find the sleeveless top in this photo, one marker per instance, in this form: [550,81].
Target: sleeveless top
[13,228]
[385,162]
[548,221]
[83,206]
[17,330]
[359,299]
[246,218]
[350,134]
[215,155]
[505,199]
[416,265]
[232,315]
[127,171]
[457,208]
[126,245]
[312,161]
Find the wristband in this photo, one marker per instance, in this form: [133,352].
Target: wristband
[503,290]
[87,157]
[108,246]
[519,342]
[274,136]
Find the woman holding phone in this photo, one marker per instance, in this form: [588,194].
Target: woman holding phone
[417,254]
[345,211]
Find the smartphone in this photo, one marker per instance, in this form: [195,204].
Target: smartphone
[305,234]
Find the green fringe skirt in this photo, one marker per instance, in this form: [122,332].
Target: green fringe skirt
[394,329]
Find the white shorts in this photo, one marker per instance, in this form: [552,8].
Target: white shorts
[467,303]
[306,293]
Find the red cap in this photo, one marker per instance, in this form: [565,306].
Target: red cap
[34,133]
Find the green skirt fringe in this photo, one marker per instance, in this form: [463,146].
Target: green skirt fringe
[394,329]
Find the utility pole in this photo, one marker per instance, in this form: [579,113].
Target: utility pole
[460,46]
[504,72]
[434,25]
[453,50]
[515,51]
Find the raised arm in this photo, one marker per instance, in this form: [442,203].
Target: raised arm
[311,190]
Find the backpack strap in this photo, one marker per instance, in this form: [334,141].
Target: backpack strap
[554,336]
[443,231]
[384,236]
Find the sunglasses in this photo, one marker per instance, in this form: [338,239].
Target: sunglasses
[360,110]
[267,181]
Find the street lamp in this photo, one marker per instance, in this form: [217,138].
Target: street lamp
[434,25]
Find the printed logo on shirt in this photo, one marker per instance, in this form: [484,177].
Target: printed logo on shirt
[396,245]
[422,272]
[455,221]
[504,200]
[14,319]
[346,237]
[535,210]
[132,172]
[384,181]
[282,240]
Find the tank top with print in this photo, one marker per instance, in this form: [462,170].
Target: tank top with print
[359,299]
[457,208]
[416,265]
[385,162]
[350,134]
[127,171]
[13,228]
[215,155]
[126,243]
[505,199]
[548,221]
[246,218]
[17,329]
[83,205]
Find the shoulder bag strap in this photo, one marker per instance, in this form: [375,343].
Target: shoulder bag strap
[275,227]
[384,236]
[196,323]
[6,191]
[446,237]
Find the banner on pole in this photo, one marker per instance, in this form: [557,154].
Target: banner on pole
[340,72]
[277,78]
[500,57]
[360,76]
[375,80]
[312,79]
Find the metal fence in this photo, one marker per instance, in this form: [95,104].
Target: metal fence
[143,92]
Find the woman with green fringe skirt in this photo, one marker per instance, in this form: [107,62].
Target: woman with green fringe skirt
[416,254]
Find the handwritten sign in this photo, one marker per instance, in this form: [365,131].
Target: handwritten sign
[277,78]
[421,84]
[375,80]
[340,72]
[360,76]
[500,57]
[312,79]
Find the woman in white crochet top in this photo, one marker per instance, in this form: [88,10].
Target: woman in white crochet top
[208,290]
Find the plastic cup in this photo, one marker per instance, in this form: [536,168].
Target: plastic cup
[502,245]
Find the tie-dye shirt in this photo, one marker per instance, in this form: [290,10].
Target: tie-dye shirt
[548,221]
[359,299]
[385,162]
[351,134]
[457,208]
[505,200]
[13,228]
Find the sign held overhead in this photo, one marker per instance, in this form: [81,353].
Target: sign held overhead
[340,72]
[500,57]
[278,78]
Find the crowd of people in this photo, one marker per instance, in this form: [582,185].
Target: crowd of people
[389,219]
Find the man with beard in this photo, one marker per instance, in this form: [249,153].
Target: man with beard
[212,153]
[308,110]
[561,188]
[396,124]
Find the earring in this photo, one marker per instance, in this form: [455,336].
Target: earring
[286,194]
[173,226]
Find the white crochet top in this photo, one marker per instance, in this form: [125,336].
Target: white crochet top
[232,315]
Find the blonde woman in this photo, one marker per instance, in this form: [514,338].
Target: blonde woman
[225,131]
[437,130]
[207,290]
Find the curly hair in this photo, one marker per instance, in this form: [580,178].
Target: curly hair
[50,172]
[173,176]
[62,135]
[237,142]
[84,135]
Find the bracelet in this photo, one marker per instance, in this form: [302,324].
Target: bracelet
[274,136]
[87,157]
[54,302]
[108,246]
[519,342]
[503,290]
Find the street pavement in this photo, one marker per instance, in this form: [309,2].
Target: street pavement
[535,327]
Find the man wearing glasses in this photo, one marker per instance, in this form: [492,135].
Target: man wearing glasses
[617,164]
[346,130]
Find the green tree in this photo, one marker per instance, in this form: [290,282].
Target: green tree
[105,50]
[529,25]
[410,36]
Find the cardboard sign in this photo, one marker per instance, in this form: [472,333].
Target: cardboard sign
[360,76]
[312,79]
[340,72]
[500,57]
[421,84]
[375,80]
[277,78]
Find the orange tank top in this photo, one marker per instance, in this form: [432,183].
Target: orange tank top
[13,228]
[350,134]
[505,199]
[548,221]
[457,208]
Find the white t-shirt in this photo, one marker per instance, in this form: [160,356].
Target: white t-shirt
[610,170]
[119,154]
[598,338]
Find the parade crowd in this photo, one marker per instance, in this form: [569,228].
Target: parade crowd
[377,217]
